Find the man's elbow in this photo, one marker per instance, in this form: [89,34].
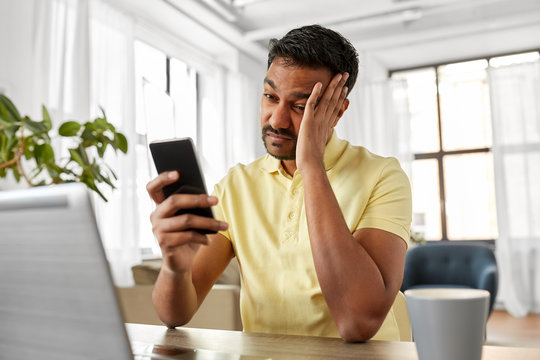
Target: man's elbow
[172,321]
[170,315]
[359,329]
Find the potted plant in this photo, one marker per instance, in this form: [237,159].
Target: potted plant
[26,151]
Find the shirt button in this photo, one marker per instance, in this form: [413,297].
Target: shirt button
[291,216]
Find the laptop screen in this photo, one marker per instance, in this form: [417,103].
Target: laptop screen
[57,299]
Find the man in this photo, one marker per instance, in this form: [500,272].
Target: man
[319,227]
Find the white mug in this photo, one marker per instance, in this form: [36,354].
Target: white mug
[448,323]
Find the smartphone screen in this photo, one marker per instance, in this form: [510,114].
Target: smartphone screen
[180,155]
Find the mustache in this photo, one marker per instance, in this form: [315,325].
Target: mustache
[282,132]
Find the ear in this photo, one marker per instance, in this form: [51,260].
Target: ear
[344,107]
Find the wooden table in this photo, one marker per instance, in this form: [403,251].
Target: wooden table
[274,346]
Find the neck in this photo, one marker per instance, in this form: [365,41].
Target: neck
[289,166]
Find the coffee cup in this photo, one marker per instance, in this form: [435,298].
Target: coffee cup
[448,323]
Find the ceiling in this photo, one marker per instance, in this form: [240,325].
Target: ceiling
[378,26]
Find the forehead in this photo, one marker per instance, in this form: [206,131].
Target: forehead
[282,76]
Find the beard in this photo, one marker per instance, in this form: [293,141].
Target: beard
[279,151]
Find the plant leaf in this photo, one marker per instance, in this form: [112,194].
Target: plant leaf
[10,149]
[120,142]
[110,170]
[46,118]
[48,153]
[101,124]
[109,125]
[96,174]
[100,194]
[3,146]
[5,119]
[34,126]
[89,136]
[16,175]
[108,181]
[54,173]
[35,171]
[84,154]
[75,156]
[44,154]
[69,128]
[38,150]
[101,149]
[29,147]
[11,109]
[90,126]
[89,181]
[92,139]
[11,131]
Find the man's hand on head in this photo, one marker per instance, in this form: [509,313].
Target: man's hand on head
[321,115]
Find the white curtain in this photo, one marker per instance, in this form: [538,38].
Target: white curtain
[378,119]
[83,58]
[243,121]
[515,97]
[60,58]
[112,88]
[229,122]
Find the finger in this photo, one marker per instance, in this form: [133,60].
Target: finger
[337,110]
[313,99]
[176,202]
[336,100]
[328,94]
[188,222]
[156,185]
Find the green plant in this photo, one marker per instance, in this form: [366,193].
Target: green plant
[21,137]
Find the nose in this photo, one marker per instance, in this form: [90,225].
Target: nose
[280,117]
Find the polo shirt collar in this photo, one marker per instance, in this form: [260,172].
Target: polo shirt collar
[334,149]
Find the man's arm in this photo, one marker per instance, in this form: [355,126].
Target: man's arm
[192,262]
[178,295]
[359,274]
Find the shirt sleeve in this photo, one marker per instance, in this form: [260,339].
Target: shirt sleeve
[390,205]
[218,209]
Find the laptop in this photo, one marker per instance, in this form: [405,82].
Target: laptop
[57,297]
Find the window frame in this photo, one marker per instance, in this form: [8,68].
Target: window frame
[142,139]
[439,155]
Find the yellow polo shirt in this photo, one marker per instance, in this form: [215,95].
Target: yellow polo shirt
[264,207]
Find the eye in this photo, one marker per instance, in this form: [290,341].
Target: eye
[269,96]
[300,108]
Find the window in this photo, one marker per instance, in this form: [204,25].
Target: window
[452,172]
[166,107]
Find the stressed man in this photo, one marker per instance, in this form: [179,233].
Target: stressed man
[319,227]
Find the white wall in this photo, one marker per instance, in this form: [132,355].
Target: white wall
[16,59]
[16,62]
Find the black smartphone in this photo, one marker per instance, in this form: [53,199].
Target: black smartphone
[180,155]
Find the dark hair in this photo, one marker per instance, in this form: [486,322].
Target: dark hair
[316,46]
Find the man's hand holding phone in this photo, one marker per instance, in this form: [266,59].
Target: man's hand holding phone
[183,215]
[177,235]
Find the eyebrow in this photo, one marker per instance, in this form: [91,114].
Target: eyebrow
[296,94]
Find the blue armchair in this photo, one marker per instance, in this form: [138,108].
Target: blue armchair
[445,264]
